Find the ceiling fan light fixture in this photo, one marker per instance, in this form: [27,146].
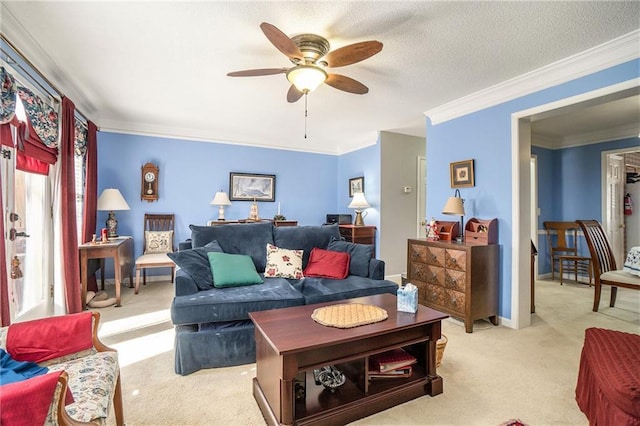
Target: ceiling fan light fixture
[306,78]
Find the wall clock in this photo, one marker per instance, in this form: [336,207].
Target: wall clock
[149,186]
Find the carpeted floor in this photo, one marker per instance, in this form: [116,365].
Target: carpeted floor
[490,376]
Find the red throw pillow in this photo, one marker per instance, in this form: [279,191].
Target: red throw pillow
[327,264]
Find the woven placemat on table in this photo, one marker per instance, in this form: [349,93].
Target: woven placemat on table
[348,315]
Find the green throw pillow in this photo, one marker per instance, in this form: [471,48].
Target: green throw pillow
[232,270]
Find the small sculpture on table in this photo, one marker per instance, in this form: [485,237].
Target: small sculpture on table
[432,231]
[329,377]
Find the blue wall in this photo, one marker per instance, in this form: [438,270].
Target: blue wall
[191,173]
[569,188]
[486,137]
[363,162]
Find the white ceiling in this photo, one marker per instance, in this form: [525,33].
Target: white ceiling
[160,67]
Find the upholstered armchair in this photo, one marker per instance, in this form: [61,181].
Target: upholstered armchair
[76,360]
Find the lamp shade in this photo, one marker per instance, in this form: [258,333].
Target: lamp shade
[306,78]
[454,206]
[111,199]
[221,199]
[358,202]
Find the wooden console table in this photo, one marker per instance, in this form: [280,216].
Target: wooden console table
[284,386]
[120,249]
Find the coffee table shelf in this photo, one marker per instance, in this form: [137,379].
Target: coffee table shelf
[285,355]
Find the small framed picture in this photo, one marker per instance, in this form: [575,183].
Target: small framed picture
[462,174]
[356,185]
[252,186]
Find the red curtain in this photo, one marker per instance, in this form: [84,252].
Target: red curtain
[90,192]
[70,254]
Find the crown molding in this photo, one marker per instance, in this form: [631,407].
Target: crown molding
[612,134]
[606,55]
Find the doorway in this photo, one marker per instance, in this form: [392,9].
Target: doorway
[521,188]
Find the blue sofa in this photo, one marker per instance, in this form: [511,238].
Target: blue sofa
[212,325]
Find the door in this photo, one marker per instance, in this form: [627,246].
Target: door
[28,223]
[614,218]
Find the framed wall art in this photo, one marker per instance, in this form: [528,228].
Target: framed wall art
[462,174]
[356,185]
[252,186]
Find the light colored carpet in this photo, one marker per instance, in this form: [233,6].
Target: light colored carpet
[490,376]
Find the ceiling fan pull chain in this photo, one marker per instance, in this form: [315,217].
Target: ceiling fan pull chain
[305,115]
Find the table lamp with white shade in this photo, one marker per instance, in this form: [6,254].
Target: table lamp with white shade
[111,200]
[221,199]
[455,207]
[359,203]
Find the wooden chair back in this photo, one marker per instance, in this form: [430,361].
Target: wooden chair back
[159,222]
[599,247]
[566,237]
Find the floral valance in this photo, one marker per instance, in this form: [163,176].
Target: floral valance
[80,146]
[43,118]
[8,99]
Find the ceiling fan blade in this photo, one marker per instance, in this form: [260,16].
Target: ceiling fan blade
[281,41]
[352,53]
[293,95]
[258,72]
[346,84]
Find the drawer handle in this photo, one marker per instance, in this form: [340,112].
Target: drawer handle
[433,258]
[453,260]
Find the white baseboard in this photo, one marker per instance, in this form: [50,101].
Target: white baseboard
[396,278]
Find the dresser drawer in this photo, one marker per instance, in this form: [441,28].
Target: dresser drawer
[455,280]
[433,295]
[427,273]
[454,300]
[424,254]
[456,259]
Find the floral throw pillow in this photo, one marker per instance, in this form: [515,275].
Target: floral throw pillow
[158,242]
[283,263]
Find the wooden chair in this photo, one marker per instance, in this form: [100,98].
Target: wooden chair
[604,263]
[563,250]
[158,241]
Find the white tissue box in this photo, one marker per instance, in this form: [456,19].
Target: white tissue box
[408,298]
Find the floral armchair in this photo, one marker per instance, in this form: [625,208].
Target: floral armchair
[83,378]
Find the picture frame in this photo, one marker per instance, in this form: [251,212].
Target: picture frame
[461,174]
[252,186]
[356,185]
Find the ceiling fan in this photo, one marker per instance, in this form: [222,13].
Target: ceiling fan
[310,55]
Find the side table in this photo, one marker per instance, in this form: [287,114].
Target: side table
[120,249]
[365,234]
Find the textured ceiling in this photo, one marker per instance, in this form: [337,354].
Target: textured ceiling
[160,67]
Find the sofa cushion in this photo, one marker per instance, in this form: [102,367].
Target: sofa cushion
[195,263]
[283,263]
[305,238]
[233,303]
[360,254]
[327,264]
[92,380]
[247,238]
[320,290]
[232,270]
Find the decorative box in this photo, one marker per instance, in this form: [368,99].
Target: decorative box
[408,298]
[447,231]
[478,231]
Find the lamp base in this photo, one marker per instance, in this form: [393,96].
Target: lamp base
[221,213]
[112,225]
[359,220]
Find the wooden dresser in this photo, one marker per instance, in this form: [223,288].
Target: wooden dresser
[358,234]
[459,279]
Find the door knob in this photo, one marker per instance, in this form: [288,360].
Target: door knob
[13,234]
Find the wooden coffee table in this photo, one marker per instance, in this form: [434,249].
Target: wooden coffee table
[290,345]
